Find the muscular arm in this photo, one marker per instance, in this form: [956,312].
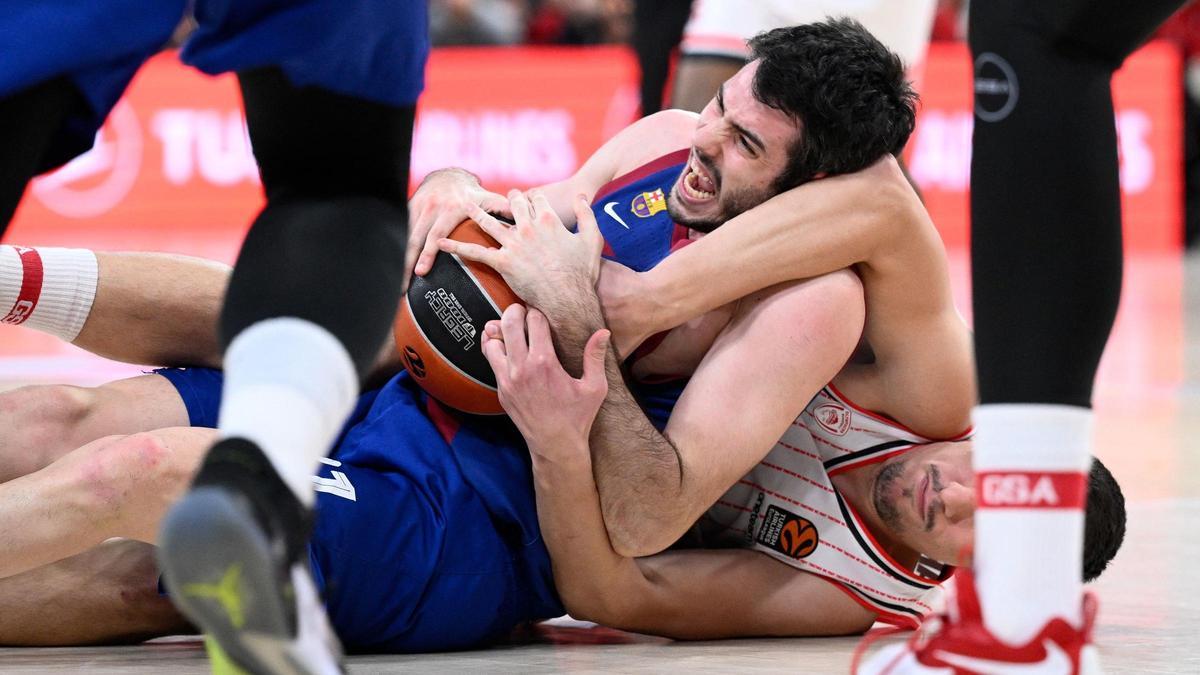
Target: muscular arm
[817,228]
[684,595]
[781,346]
[870,221]
[444,198]
[707,594]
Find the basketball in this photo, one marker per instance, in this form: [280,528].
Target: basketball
[439,327]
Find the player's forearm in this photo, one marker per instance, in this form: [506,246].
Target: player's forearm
[157,309]
[638,472]
[815,229]
[593,581]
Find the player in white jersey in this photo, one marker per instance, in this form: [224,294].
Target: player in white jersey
[807,506]
[847,496]
[714,39]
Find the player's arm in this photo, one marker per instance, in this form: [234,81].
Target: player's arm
[444,198]
[819,227]
[654,135]
[781,346]
[698,595]
[690,594]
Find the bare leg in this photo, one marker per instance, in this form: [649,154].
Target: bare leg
[698,77]
[40,424]
[107,595]
[114,487]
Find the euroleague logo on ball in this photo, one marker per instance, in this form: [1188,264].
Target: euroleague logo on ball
[412,361]
[788,533]
[834,418]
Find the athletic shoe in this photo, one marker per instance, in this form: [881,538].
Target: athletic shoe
[234,560]
[959,644]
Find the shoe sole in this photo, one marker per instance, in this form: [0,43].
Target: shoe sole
[218,567]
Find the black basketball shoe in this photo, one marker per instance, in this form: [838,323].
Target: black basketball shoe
[233,557]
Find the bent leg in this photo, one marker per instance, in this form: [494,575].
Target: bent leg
[106,595]
[112,487]
[42,423]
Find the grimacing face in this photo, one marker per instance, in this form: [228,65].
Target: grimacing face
[739,148]
[926,500]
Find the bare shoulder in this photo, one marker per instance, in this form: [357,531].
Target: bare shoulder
[652,137]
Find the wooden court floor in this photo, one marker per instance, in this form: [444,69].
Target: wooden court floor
[1147,431]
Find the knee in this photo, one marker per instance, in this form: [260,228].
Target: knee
[45,405]
[36,419]
[118,468]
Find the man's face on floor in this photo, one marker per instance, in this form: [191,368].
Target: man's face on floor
[740,146]
[926,500]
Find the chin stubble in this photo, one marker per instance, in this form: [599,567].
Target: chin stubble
[883,506]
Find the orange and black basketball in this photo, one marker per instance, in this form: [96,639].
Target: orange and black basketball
[439,327]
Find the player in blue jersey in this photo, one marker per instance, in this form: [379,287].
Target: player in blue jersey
[329,89]
[501,526]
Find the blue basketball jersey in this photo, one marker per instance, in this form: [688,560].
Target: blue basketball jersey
[631,211]
[370,49]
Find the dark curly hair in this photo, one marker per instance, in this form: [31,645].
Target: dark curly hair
[1104,521]
[845,88]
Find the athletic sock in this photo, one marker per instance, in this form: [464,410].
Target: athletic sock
[1031,463]
[289,387]
[47,289]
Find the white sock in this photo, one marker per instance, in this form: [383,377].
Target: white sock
[47,289]
[289,387]
[1031,463]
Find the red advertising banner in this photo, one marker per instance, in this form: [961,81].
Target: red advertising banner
[173,168]
[1149,118]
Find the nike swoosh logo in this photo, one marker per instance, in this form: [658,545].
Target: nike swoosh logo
[611,209]
[1056,661]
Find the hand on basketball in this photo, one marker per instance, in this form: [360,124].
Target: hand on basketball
[539,258]
[551,408]
[436,208]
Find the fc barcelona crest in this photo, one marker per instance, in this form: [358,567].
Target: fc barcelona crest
[649,203]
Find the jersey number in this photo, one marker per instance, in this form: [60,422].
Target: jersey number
[338,484]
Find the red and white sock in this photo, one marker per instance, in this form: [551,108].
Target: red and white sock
[47,289]
[1031,464]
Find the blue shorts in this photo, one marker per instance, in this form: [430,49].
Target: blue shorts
[370,49]
[421,543]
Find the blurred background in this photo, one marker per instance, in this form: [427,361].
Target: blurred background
[521,91]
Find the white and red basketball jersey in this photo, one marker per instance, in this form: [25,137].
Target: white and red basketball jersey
[788,508]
